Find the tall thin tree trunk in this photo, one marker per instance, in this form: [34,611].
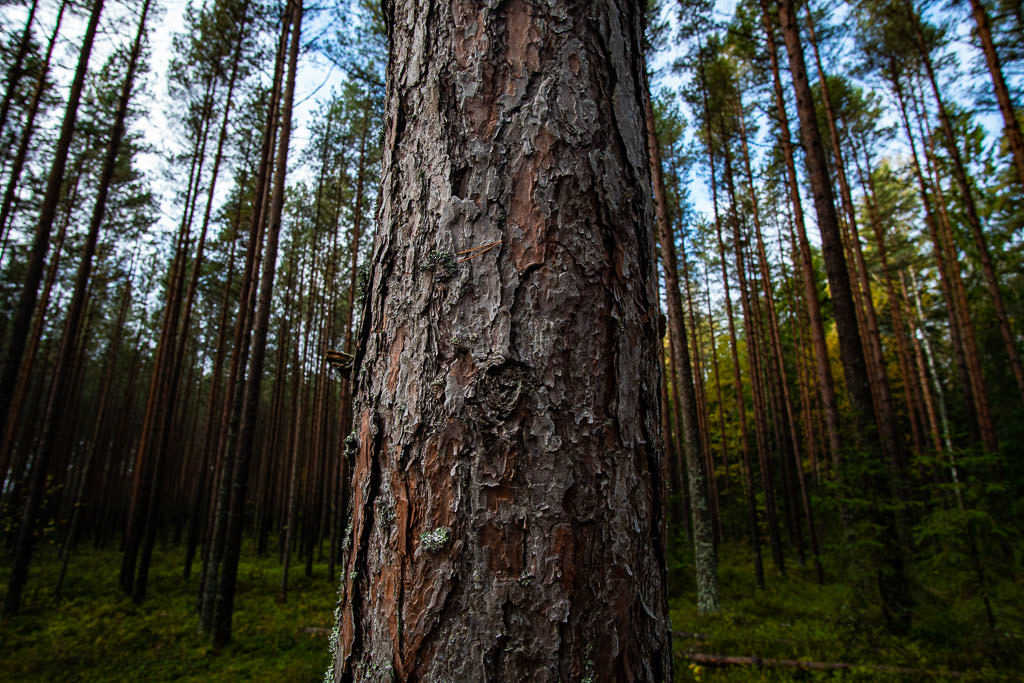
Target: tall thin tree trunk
[233,390]
[826,383]
[961,329]
[27,131]
[939,434]
[892,580]
[874,356]
[72,328]
[159,397]
[741,405]
[988,266]
[910,387]
[705,551]
[17,67]
[1011,127]
[753,361]
[22,317]
[110,363]
[718,382]
[294,459]
[779,369]
[12,461]
[240,477]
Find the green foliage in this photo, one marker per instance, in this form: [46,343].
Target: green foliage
[97,634]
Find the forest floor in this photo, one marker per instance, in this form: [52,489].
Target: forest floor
[95,633]
[773,634]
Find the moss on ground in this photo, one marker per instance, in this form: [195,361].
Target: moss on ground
[95,633]
[794,618]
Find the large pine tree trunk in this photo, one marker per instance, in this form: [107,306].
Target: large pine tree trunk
[508,501]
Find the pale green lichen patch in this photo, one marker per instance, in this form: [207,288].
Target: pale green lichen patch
[436,539]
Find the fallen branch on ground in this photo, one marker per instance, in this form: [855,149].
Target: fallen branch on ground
[729,660]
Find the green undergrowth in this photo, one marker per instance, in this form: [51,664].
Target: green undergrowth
[794,618]
[95,633]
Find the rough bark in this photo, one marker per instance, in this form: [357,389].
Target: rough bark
[508,504]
